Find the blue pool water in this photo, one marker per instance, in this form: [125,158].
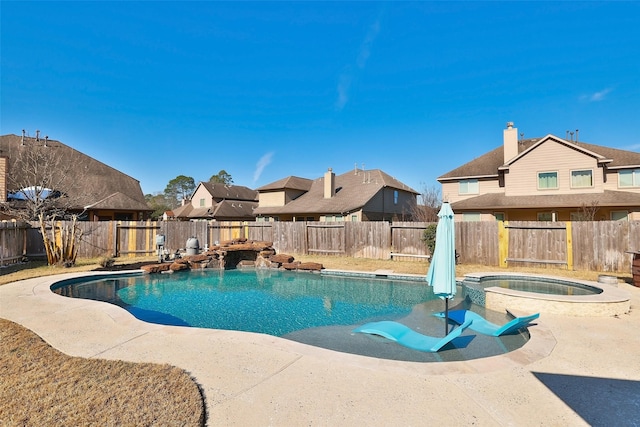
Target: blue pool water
[320,310]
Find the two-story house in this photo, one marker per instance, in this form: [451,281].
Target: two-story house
[546,179]
[220,202]
[357,195]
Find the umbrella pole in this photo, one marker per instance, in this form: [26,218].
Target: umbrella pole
[446,317]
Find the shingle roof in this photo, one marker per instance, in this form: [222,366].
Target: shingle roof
[101,184]
[119,201]
[227,209]
[353,190]
[487,165]
[498,201]
[290,182]
[231,192]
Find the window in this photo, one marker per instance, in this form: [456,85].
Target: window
[469,186]
[582,178]
[471,216]
[202,202]
[499,216]
[354,218]
[395,197]
[619,216]
[546,216]
[629,178]
[547,180]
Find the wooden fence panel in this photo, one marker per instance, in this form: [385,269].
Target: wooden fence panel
[602,245]
[407,239]
[178,232]
[260,231]
[326,238]
[13,240]
[537,244]
[290,237]
[221,231]
[136,238]
[368,239]
[477,242]
[96,240]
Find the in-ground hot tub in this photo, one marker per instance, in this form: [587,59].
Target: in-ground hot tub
[546,294]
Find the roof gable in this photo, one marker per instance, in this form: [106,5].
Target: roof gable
[553,139]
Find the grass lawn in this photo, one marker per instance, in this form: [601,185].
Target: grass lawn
[42,386]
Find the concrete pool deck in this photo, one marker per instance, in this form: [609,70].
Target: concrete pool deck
[574,371]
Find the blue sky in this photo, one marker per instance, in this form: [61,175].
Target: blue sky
[267,90]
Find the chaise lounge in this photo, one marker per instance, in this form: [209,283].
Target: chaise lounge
[407,337]
[483,326]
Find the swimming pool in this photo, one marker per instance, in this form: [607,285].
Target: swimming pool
[316,309]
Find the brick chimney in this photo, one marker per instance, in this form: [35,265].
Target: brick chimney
[329,184]
[510,142]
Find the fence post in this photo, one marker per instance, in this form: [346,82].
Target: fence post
[569,246]
[115,235]
[503,243]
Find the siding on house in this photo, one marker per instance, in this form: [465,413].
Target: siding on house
[507,182]
[522,179]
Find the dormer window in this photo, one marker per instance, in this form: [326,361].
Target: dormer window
[547,180]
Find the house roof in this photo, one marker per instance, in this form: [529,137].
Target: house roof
[488,164]
[353,190]
[102,186]
[498,201]
[230,192]
[220,211]
[288,183]
[119,201]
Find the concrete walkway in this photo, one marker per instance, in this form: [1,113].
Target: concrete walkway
[574,371]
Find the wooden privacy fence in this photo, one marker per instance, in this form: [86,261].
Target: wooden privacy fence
[598,245]
[13,241]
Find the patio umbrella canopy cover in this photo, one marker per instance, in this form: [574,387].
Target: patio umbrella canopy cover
[442,270]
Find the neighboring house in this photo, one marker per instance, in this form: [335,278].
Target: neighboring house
[220,202]
[546,179]
[357,195]
[99,192]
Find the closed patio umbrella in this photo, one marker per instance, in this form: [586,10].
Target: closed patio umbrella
[442,270]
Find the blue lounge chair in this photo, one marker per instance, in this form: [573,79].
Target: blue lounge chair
[483,326]
[409,338]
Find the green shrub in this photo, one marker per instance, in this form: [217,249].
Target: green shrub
[429,237]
